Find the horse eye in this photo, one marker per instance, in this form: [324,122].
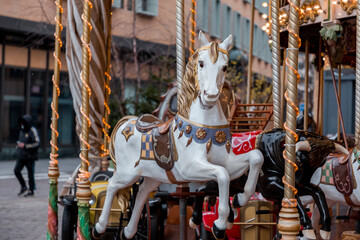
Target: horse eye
[201,63]
[224,68]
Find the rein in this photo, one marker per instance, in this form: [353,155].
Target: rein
[220,50]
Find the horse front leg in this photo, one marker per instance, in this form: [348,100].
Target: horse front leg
[254,160]
[205,171]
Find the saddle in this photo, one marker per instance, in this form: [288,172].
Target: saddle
[165,153]
[148,122]
[342,173]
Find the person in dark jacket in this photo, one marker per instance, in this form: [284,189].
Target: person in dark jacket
[27,153]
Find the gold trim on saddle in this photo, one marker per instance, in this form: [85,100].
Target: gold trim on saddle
[129,130]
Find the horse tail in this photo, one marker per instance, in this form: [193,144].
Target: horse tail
[112,137]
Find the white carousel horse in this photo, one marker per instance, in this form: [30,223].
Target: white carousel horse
[350,185]
[200,146]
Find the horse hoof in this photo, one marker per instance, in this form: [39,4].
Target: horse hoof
[122,235]
[309,233]
[235,202]
[218,234]
[95,234]
[325,234]
[229,225]
[192,224]
[236,213]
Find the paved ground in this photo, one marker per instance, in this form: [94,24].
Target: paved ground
[26,218]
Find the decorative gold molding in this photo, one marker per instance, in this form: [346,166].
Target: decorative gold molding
[348,6]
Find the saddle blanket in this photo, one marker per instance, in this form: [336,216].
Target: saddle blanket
[327,173]
[147,151]
[244,142]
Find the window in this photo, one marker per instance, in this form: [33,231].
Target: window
[202,9]
[147,7]
[267,52]
[14,103]
[256,41]
[226,21]
[237,29]
[246,33]
[118,4]
[215,18]
[129,5]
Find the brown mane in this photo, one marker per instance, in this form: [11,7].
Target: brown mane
[190,86]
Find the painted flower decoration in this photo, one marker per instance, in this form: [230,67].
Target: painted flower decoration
[220,136]
[200,133]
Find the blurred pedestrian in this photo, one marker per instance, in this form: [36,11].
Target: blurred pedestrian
[27,153]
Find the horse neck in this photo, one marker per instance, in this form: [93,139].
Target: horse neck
[211,117]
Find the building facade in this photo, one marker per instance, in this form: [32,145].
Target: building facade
[27,43]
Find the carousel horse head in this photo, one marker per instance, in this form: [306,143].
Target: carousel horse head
[205,74]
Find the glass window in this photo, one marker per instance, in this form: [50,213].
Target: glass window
[147,7]
[226,21]
[202,9]
[246,35]
[66,122]
[237,29]
[215,18]
[118,4]
[129,5]
[14,103]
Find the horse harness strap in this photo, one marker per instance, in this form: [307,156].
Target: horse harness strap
[220,50]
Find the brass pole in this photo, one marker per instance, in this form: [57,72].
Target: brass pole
[306,102]
[193,27]
[275,37]
[248,90]
[83,192]
[357,82]
[289,224]
[321,114]
[283,80]
[180,43]
[53,173]
[338,119]
[107,91]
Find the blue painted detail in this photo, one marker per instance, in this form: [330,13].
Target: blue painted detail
[210,132]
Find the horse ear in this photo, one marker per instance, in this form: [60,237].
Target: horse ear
[202,39]
[227,43]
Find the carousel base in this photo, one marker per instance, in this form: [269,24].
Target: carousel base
[350,235]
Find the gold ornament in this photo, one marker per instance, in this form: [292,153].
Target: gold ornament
[189,141]
[228,146]
[208,145]
[188,129]
[180,124]
[200,133]
[220,136]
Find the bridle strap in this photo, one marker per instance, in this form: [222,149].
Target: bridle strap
[208,47]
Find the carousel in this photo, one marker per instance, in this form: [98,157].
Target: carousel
[209,138]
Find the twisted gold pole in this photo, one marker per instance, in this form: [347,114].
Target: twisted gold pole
[107,91]
[357,83]
[275,37]
[53,173]
[180,43]
[289,224]
[83,192]
[193,27]
[306,108]
[249,77]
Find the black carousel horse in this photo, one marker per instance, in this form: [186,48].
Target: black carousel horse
[270,184]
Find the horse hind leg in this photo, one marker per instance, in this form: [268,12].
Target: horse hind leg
[145,189]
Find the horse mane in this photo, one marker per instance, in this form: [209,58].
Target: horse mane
[190,84]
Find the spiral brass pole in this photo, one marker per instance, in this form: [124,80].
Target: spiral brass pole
[357,82]
[193,27]
[180,43]
[289,224]
[83,192]
[53,173]
[275,37]
[107,91]
[306,102]
[249,77]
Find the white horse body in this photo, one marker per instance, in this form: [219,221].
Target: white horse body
[332,195]
[195,163]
